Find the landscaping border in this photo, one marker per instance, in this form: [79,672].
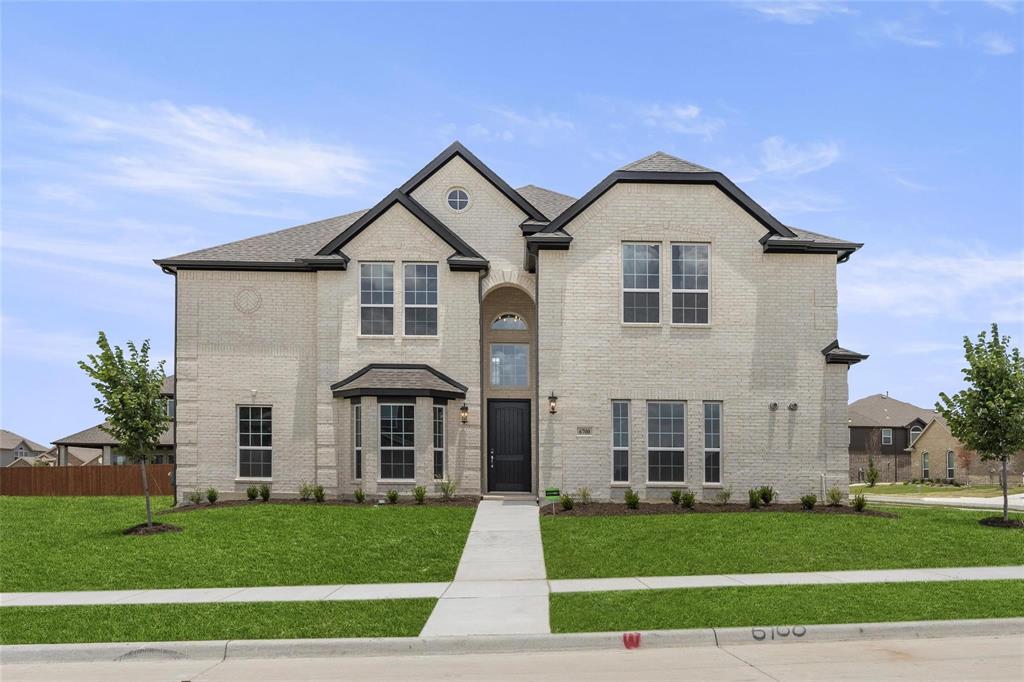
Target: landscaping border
[651,508]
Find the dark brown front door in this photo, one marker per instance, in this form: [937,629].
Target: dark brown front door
[508,445]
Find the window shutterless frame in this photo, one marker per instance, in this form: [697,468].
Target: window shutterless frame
[666,442]
[641,283]
[420,296]
[713,442]
[950,465]
[886,436]
[439,442]
[691,284]
[377,299]
[357,442]
[254,429]
[925,469]
[397,442]
[620,441]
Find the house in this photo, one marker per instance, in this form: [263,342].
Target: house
[94,445]
[937,454]
[13,446]
[664,331]
[883,429]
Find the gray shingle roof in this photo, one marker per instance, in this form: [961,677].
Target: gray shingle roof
[380,379]
[9,440]
[95,436]
[661,162]
[881,410]
[547,201]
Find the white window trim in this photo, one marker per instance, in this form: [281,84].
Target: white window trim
[435,306]
[380,448]
[627,449]
[357,442]
[393,306]
[884,441]
[950,464]
[444,443]
[624,290]
[682,450]
[926,470]
[490,373]
[673,290]
[719,449]
[239,446]
[469,199]
[918,430]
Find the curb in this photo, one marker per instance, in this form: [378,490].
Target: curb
[496,644]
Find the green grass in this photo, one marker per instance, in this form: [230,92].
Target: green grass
[75,543]
[935,491]
[788,605]
[698,544]
[178,622]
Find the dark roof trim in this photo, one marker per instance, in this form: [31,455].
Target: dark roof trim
[544,240]
[411,205]
[170,265]
[843,250]
[339,390]
[458,263]
[457,149]
[398,393]
[656,177]
[837,355]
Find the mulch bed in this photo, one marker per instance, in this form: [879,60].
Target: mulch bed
[998,522]
[647,508]
[155,529]
[371,501]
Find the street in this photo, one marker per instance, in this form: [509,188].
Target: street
[954,658]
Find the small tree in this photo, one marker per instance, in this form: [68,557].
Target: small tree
[963,459]
[873,474]
[988,415]
[130,398]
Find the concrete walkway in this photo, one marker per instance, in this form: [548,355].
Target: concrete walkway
[500,586]
[1016,502]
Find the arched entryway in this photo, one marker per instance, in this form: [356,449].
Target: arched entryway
[509,355]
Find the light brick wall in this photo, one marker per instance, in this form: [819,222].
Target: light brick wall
[771,314]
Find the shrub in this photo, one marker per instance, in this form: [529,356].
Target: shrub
[212,495]
[754,497]
[305,491]
[723,496]
[687,499]
[808,501]
[632,498]
[859,502]
[318,493]
[768,494]
[872,475]
[420,493]
[566,501]
[195,497]
[252,492]
[360,496]
[584,495]
[677,496]
[265,492]
[834,496]
[393,496]
[448,489]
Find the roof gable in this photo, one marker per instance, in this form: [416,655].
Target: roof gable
[882,410]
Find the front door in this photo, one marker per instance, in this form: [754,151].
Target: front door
[508,445]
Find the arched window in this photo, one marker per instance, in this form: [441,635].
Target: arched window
[915,431]
[508,322]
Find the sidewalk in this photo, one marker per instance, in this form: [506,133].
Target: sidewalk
[1016,502]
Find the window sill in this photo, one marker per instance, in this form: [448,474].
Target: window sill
[376,336]
[667,484]
[713,485]
[690,325]
[249,479]
[420,337]
[620,484]
[641,325]
[396,480]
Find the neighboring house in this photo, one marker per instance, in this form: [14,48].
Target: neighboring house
[662,332]
[883,429]
[13,446]
[937,454]
[95,446]
[43,460]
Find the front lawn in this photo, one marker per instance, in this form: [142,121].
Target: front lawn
[919,490]
[787,605]
[179,622]
[76,543]
[701,544]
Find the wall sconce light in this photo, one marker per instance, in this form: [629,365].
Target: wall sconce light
[792,407]
[464,413]
[553,403]
[773,406]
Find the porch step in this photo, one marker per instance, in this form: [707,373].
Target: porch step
[518,497]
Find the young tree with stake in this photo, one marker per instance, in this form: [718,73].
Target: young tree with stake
[130,398]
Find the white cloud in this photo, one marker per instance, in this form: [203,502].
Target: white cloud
[918,285]
[779,157]
[686,119]
[801,13]
[906,35]
[535,121]
[996,44]
[1008,6]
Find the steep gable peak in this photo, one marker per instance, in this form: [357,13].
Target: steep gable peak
[660,162]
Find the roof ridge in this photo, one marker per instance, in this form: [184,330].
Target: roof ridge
[662,155]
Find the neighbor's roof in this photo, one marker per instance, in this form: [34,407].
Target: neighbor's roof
[10,440]
[398,380]
[168,386]
[660,162]
[77,455]
[880,410]
[95,436]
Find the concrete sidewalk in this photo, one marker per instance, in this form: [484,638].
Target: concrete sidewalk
[1016,502]
[500,586]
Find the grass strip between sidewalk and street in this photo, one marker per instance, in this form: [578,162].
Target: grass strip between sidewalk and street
[787,605]
[180,622]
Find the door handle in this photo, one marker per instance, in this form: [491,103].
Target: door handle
[492,460]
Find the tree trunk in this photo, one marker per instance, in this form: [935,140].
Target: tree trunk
[1006,491]
[145,491]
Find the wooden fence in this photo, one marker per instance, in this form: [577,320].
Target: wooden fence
[85,480]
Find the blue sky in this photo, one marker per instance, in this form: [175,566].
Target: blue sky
[132,132]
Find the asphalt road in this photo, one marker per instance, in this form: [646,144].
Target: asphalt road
[955,658]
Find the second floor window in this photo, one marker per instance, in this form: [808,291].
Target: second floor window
[641,283]
[915,431]
[886,436]
[510,365]
[690,283]
[377,299]
[421,299]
